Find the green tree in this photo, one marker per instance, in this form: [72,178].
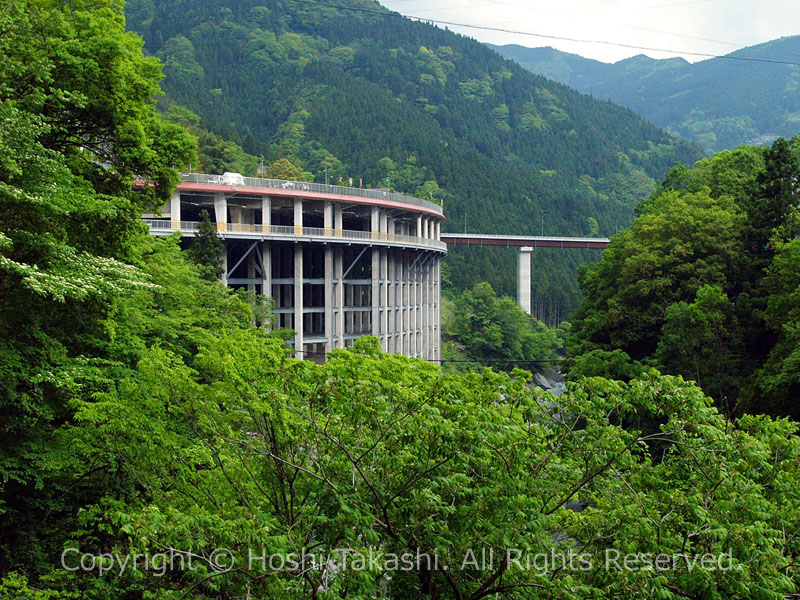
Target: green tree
[283,168]
[206,249]
[78,130]
[701,341]
[497,329]
[681,242]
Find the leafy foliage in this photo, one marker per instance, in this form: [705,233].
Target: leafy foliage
[496,330]
[695,285]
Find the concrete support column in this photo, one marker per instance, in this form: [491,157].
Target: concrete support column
[329,300]
[425,221]
[398,301]
[391,331]
[419,226]
[266,214]
[337,219]
[438,230]
[438,309]
[224,276]
[327,218]
[418,310]
[524,278]
[221,211]
[175,210]
[385,308]
[339,271]
[266,258]
[251,270]
[425,314]
[298,299]
[375,225]
[390,228]
[376,291]
[384,224]
[236,218]
[298,216]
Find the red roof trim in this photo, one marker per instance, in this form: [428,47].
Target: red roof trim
[259,191]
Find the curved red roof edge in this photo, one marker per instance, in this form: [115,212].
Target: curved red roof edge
[259,191]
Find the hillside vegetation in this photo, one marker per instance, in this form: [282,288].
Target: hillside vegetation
[380,100]
[705,283]
[719,103]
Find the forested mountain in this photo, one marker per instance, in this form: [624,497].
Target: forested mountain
[719,103]
[378,98]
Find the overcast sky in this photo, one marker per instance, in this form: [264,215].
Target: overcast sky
[702,26]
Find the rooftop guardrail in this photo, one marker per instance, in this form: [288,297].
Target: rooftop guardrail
[320,188]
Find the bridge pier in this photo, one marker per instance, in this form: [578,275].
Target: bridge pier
[524,278]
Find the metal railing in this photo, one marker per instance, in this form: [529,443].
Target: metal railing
[304,186]
[165,225]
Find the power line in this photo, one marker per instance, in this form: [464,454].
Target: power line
[544,35]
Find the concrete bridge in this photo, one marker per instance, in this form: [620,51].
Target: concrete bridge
[338,262]
[526,245]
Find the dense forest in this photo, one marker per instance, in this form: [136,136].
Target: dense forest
[704,283]
[383,101]
[719,103]
[158,444]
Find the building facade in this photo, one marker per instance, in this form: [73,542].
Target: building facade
[338,262]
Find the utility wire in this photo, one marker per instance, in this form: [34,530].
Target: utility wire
[545,36]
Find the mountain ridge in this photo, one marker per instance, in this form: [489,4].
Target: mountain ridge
[719,102]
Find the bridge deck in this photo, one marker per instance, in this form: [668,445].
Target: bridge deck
[484,239]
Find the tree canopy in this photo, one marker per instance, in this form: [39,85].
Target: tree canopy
[694,286]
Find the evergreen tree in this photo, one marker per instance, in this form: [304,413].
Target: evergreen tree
[207,249]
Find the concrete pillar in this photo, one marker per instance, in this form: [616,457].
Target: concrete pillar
[418,311]
[251,270]
[438,230]
[376,291]
[425,314]
[438,309]
[298,216]
[401,304]
[384,224]
[327,217]
[375,225]
[425,227]
[390,228]
[236,218]
[221,211]
[328,298]
[337,220]
[339,270]
[266,258]
[298,299]
[224,276]
[175,211]
[266,214]
[385,309]
[419,226]
[524,278]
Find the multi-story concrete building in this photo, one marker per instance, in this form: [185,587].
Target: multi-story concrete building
[338,262]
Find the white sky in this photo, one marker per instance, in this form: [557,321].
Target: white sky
[704,26]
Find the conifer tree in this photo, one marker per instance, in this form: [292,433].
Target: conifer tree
[207,248]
